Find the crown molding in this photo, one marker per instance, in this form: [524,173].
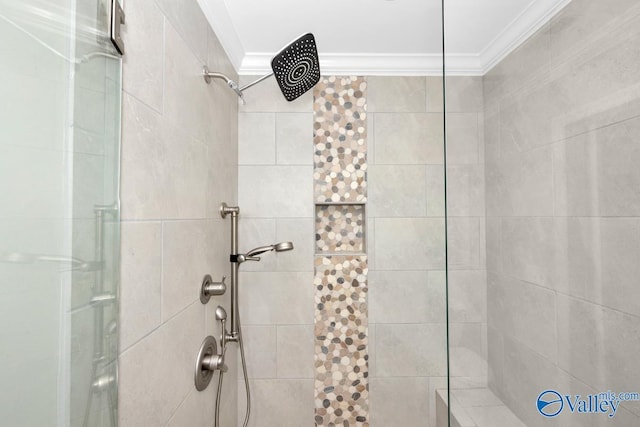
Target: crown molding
[530,20]
[220,20]
[376,64]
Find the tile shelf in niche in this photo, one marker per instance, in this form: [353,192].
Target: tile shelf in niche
[340,229]
[345,253]
[340,204]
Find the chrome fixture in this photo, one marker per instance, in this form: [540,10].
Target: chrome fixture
[117,20]
[235,335]
[210,288]
[221,316]
[207,362]
[296,69]
[209,75]
[104,373]
[251,255]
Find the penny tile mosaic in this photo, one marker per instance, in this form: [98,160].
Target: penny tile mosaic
[339,228]
[341,359]
[340,139]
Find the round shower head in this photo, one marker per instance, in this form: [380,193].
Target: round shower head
[283,246]
[296,67]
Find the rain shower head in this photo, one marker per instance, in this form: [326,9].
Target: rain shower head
[296,67]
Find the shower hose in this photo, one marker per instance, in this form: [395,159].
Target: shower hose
[246,381]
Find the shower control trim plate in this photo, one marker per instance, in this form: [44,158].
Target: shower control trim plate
[207,362]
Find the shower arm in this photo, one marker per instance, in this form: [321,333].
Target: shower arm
[255,82]
[208,75]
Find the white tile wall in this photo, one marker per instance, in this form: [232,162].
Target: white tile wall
[399,402]
[256,139]
[562,211]
[275,192]
[405,239]
[179,161]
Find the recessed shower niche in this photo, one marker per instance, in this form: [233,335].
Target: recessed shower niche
[340,229]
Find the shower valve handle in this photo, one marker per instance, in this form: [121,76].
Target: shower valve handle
[210,288]
[214,363]
[207,362]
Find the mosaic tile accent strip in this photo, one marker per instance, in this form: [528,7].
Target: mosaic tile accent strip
[341,358]
[339,228]
[340,139]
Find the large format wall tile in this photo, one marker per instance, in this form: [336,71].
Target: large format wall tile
[525,312]
[189,21]
[597,174]
[293,133]
[144,59]
[462,138]
[140,293]
[397,94]
[585,328]
[276,298]
[256,139]
[562,155]
[406,296]
[397,247]
[260,351]
[186,258]
[465,191]
[262,190]
[397,191]
[185,95]
[408,139]
[145,396]
[411,350]
[292,397]
[394,403]
[521,185]
[295,347]
[179,161]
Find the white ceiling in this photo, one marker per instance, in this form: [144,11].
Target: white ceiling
[378,37]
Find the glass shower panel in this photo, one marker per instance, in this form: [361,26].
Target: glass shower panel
[405,224]
[544,225]
[59,136]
